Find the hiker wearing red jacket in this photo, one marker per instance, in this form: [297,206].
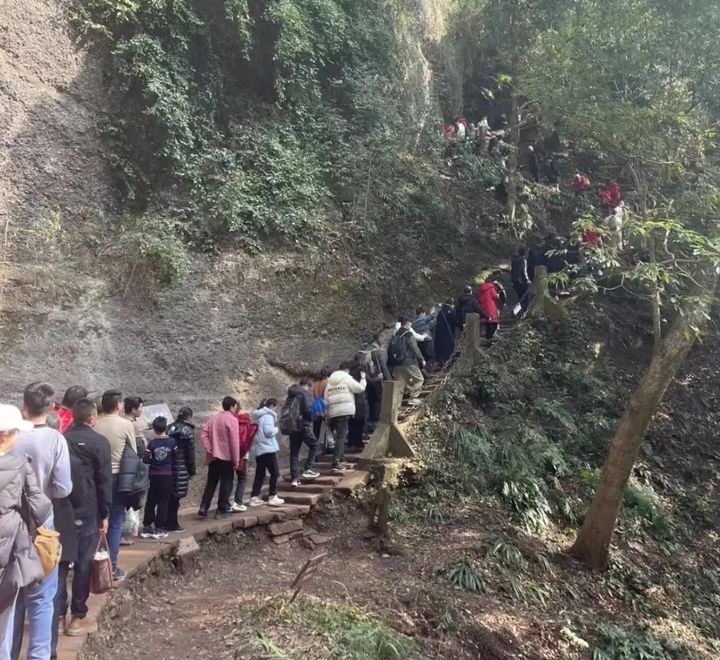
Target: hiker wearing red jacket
[611,195]
[488,299]
[64,410]
[248,430]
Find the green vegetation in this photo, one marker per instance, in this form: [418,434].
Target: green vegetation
[243,121]
[620,644]
[345,631]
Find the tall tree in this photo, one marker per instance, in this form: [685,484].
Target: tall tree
[616,81]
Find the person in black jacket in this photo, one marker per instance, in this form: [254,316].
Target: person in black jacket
[520,278]
[467,304]
[358,422]
[64,516]
[305,435]
[92,450]
[184,433]
[445,328]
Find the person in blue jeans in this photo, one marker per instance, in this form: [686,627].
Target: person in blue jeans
[120,433]
[50,461]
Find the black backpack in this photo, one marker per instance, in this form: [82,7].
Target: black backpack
[290,417]
[397,351]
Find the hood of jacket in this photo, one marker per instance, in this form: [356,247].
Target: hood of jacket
[258,414]
[296,390]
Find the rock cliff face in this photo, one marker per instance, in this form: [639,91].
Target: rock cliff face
[62,319]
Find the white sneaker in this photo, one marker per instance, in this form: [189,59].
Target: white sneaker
[414,402]
[310,474]
[295,483]
[256,501]
[276,501]
[239,508]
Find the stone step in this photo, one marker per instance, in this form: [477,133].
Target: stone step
[355,481]
[310,499]
[306,487]
[322,480]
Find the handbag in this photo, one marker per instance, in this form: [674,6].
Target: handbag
[101,577]
[45,541]
[48,548]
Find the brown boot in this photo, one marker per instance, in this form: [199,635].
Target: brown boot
[75,628]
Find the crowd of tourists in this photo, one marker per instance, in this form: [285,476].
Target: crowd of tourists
[75,474]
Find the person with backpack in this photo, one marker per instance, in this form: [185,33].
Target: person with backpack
[94,454]
[319,411]
[183,432]
[466,304]
[445,329]
[373,359]
[340,396]
[265,449]
[406,360]
[20,566]
[296,421]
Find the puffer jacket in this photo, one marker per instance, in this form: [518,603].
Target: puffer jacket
[19,563]
[340,394]
[184,462]
[268,431]
[488,299]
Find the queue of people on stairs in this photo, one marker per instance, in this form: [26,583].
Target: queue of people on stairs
[87,468]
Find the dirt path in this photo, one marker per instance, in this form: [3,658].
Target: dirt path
[239,596]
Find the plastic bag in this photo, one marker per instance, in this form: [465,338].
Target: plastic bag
[131,526]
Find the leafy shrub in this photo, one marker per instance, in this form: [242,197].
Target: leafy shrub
[642,502]
[637,643]
[151,253]
[355,635]
[371,640]
[241,125]
[465,575]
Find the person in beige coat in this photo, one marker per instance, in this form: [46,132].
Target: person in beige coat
[340,397]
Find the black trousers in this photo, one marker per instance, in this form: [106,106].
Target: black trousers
[490,329]
[222,472]
[297,440]
[158,501]
[265,462]
[173,523]
[356,432]
[87,538]
[374,399]
[521,289]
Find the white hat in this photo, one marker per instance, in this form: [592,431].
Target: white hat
[11,419]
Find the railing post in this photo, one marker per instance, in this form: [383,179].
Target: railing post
[471,350]
[387,437]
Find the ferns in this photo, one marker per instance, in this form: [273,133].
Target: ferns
[466,575]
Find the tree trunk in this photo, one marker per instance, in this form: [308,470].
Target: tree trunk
[512,166]
[592,545]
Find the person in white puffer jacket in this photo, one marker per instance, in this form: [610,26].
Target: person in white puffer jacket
[340,397]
